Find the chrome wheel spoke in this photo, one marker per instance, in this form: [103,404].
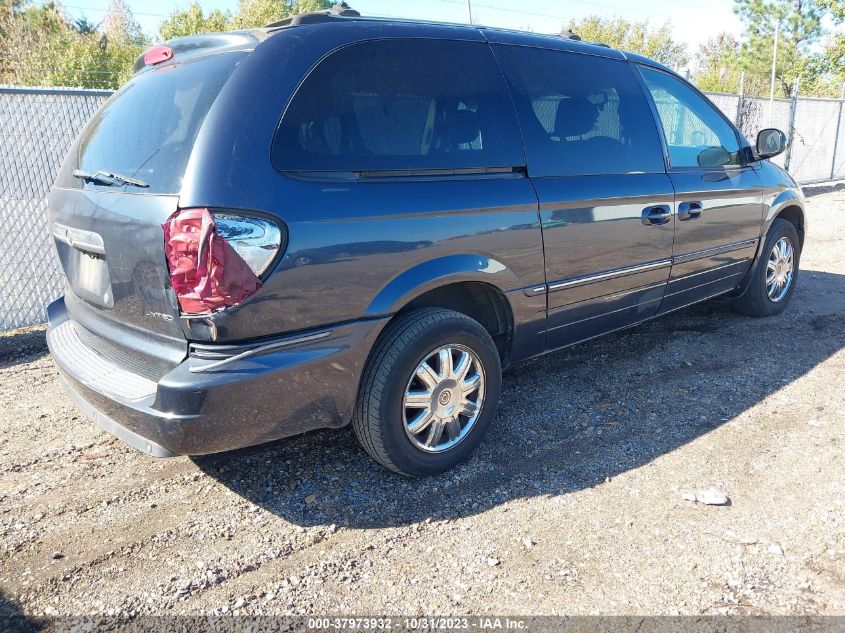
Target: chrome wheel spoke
[421,422]
[453,429]
[418,399]
[428,376]
[462,367]
[445,363]
[434,434]
[470,409]
[471,384]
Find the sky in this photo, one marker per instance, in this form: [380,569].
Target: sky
[693,21]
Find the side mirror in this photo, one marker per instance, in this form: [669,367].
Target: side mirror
[770,143]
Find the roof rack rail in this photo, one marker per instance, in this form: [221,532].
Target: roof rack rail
[342,10]
[570,35]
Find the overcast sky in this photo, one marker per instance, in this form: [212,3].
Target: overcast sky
[693,21]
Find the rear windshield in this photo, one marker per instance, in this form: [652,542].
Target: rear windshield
[147,129]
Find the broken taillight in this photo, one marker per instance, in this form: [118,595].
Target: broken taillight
[215,258]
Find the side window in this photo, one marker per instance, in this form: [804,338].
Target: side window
[697,135]
[580,114]
[401,104]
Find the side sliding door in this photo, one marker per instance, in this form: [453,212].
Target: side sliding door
[596,161]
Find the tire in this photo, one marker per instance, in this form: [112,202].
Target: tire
[381,420]
[756,301]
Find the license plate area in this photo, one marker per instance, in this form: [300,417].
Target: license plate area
[83,258]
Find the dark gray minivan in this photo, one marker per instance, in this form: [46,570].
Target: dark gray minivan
[336,219]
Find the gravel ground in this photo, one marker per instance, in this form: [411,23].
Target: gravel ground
[572,505]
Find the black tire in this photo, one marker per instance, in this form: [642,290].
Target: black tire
[378,419]
[755,301]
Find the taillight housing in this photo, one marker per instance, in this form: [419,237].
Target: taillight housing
[216,258]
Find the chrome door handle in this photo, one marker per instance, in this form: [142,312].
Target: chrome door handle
[657,215]
[690,211]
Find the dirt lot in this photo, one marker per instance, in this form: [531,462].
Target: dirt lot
[572,505]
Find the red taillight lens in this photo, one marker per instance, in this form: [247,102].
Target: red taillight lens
[157,55]
[214,268]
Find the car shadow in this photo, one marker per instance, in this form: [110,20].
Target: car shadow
[13,619]
[22,346]
[566,421]
[811,191]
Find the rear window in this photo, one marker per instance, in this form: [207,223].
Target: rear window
[398,105]
[147,129]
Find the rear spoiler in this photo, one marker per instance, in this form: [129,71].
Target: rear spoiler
[182,48]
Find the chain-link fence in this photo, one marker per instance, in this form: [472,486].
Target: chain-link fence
[37,126]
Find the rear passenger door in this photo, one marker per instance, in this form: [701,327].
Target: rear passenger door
[718,197]
[402,169]
[596,161]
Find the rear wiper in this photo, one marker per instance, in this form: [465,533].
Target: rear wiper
[108,179]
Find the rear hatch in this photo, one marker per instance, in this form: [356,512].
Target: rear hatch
[117,187]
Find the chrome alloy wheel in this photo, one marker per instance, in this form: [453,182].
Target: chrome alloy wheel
[780,269]
[443,399]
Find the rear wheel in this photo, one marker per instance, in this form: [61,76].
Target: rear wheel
[774,279]
[429,392]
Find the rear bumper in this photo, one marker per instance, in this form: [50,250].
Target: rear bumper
[294,388]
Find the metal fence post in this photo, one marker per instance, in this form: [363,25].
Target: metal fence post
[791,134]
[836,135]
[740,98]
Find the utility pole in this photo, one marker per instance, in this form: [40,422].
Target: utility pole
[836,136]
[469,10]
[790,135]
[774,70]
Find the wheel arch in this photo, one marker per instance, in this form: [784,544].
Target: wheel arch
[473,285]
[789,206]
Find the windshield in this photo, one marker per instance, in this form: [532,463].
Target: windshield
[147,129]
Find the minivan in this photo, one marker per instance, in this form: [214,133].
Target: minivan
[336,219]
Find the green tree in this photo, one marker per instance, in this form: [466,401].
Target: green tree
[833,58]
[193,20]
[83,25]
[120,26]
[256,13]
[637,37]
[717,68]
[800,30]
[41,46]
[716,64]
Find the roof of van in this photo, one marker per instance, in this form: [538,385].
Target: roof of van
[344,14]
[247,39]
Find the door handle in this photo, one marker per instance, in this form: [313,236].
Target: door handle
[657,215]
[690,211]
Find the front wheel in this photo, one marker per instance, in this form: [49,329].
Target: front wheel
[429,392]
[776,274]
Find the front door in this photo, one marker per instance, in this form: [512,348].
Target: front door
[595,158]
[718,198]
